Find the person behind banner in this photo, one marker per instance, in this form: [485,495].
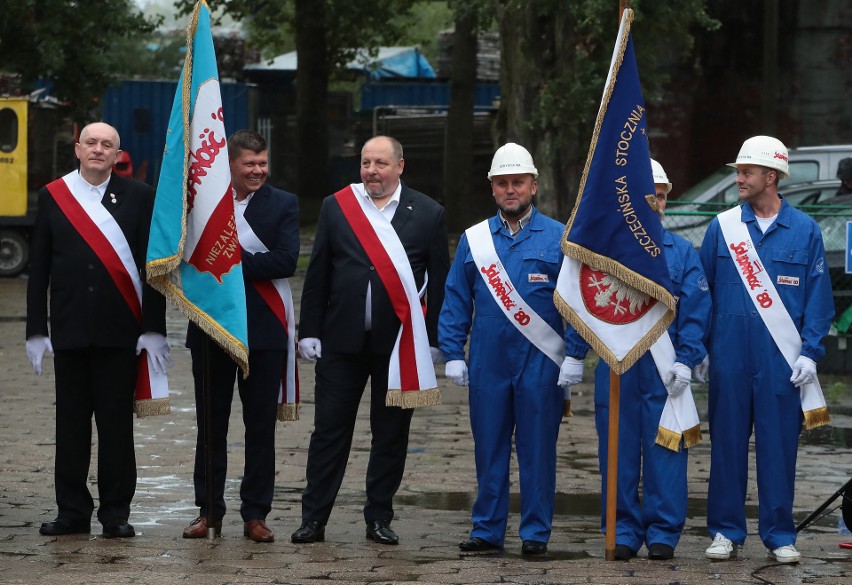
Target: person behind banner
[268,228]
[88,249]
[500,292]
[374,240]
[657,519]
[772,306]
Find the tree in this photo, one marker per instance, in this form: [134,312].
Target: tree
[554,61]
[60,41]
[470,18]
[328,34]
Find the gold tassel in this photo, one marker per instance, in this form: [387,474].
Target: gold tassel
[288,412]
[153,407]
[566,409]
[817,417]
[692,436]
[413,398]
[668,439]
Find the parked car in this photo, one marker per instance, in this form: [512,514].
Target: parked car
[691,221]
[807,164]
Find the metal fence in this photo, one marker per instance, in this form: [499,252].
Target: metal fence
[690,221]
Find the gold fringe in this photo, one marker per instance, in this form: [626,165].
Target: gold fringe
[232,346]
[692,436]
[566,409]
[817,417]
[413,399]
[668,439]
[619,367]
[288,412]
[153,407]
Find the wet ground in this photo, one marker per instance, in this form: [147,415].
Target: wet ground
[432,507]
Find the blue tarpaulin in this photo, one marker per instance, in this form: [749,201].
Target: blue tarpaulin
[390,62]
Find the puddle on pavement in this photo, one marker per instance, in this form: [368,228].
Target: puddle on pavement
[565,504]
[827,436]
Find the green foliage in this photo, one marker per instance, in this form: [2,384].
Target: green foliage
[69,42]
[349,25]
[583,33]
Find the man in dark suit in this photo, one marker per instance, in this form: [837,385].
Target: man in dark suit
[268,227]
[88,248]
[349,326]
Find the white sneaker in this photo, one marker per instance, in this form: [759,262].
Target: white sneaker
[721,549]
[787,554]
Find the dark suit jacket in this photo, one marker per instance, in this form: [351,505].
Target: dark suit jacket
[273,215]
[86,308]
[334,295]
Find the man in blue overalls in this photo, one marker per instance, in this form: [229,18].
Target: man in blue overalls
[505,272]
[657,519]
[772,305]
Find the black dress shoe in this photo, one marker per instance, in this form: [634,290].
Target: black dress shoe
[477,544]
[62,526]
[660,552]
[118,529]
[380,531]
[533,547]
[309,531]
[623,552]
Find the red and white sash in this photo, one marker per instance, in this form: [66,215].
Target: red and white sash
[680,415]
[771,309]
[504,293]
[103,234]
[411,375]
[278,296]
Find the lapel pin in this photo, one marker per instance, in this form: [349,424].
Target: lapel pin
[410,208]
[112,197]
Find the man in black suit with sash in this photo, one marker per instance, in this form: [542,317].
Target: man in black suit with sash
[350,323]
[268,227]
[88,249]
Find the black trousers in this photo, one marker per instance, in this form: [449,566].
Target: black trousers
[101,382]
[340,382]
[259,396]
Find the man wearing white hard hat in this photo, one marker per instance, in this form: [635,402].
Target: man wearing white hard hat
[772,305]
[649,450]
[500,292]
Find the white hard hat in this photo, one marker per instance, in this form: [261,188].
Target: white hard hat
[660,175]
[512,159]
[766,152]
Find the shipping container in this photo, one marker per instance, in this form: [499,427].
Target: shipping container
[140,111]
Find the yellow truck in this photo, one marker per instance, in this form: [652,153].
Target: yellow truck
[36,146]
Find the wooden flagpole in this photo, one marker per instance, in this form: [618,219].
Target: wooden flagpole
[612,463]
[612,433]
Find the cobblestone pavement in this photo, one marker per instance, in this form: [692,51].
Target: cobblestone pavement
[432,506]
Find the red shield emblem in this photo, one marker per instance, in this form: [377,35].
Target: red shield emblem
[610,299]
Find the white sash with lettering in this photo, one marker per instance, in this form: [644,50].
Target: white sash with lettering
[287,393]
[504,293]
[107,225]
[422,355]
[771,309]
[680,415]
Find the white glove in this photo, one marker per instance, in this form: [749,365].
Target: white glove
[571,372]
[699,372]
[310,348]
[804,371]
[437,356]
[677,380]
[37,345]
[456,372]
[158,351]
